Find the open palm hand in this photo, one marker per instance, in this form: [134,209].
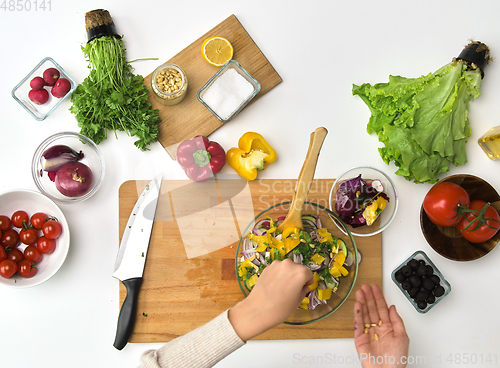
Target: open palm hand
[380,336]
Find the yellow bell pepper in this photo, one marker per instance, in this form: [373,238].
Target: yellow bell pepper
[327,237]
[339,258]
[253,153]
[251,281]
[244,266]
[317,259]
[324,294]
[305,303]
[314,285]
[263,241]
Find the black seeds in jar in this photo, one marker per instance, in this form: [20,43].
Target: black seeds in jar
[430,299]
[421,262]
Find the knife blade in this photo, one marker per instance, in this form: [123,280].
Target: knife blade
[131,258]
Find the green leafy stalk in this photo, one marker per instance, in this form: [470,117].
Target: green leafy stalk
[112,97]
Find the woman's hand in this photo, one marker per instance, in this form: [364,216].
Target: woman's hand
[386,342]
[278,293]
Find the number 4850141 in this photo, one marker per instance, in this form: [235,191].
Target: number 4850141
[26,5]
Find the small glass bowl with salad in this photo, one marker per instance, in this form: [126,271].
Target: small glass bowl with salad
[320,246]
[365,199]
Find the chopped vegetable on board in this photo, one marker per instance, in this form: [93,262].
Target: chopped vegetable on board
[253,153]
[423,122]
[112,97]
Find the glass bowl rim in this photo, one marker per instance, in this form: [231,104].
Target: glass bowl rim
[396,202]
[330,213]
[42,146]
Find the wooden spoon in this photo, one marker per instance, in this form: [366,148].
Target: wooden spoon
[294,216]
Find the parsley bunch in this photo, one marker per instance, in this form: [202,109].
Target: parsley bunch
[112,97]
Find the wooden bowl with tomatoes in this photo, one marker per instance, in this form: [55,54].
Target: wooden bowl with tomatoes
[449,233]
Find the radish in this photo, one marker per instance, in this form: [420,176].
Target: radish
[37,83]
[51,75]
[61,88]
[38,97]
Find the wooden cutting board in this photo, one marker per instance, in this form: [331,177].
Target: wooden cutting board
[190,118]
[180,294]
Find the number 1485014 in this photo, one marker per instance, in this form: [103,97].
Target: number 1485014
[26,5]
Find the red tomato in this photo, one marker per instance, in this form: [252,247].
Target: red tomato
[15,254]
[442,201]
[28,236]
[484,232]
[52,229]
[46,246]
[5,223]
[38,219]
[3,255]
[10,239]
[26,269]
[32,253]
[8,268]
[20,217]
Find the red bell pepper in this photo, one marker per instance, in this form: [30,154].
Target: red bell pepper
[200,158]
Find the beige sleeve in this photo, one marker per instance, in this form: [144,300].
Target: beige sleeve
[201,348]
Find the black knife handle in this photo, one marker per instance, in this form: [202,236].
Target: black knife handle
[127,315]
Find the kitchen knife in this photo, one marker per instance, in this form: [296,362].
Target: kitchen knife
[131,257]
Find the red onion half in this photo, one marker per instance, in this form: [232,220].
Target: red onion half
[74,179]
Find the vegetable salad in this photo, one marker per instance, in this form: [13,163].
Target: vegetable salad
[315,247]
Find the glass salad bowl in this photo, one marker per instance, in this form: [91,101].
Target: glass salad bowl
[314,217]
[383,184]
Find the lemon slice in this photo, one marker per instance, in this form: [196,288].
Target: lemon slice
[217,50]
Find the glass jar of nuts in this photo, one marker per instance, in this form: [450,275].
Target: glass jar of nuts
[169,84]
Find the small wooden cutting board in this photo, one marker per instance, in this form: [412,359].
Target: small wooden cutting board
[186,286]
[190,118]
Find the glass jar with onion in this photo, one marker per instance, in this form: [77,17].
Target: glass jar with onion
[169,84]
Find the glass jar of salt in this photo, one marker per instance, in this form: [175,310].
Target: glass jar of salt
[228,91]
[169,84]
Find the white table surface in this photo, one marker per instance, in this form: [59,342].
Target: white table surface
[319,48]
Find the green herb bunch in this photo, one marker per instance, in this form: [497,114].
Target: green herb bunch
[112,97]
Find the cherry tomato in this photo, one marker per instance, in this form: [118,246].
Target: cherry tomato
[5,223]
[52,229]
[26,269]
[20,217]
[484,232]
[8,268]
[441,203]
[32,253]
[15,254]
[46,246]
[28,236]
[3,255]
[38,219]
[10,239]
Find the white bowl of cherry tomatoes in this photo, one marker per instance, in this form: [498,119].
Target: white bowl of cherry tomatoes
[34,238]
